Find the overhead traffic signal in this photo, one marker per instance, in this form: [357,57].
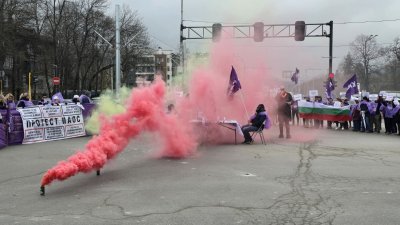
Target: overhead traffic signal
[258,31]
[216,32]
[299,30]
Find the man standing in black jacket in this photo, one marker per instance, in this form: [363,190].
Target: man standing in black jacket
[284,100]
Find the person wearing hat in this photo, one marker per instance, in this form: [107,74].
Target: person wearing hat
[284,101]
[44,100]
[24,101]
[75,99]
[56,101]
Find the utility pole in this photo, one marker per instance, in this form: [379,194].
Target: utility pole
[330,24]
[111,61]
[181,41]
[117,51]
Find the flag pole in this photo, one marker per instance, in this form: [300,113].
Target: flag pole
[241,97]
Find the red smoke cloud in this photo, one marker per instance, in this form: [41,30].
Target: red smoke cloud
[208,88]
[145,112]
[207,94]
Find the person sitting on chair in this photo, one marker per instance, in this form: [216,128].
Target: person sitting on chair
[255,123]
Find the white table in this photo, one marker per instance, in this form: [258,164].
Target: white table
[232,125]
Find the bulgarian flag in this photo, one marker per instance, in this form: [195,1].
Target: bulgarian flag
[319,111]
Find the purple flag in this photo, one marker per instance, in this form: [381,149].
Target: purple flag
[59,96]
[234,83]
[295,76]
[351,86]
[329,88]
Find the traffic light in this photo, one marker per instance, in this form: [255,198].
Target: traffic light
[258,31]
[216,32]
[299,30]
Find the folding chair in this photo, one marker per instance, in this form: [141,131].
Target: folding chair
[260,132]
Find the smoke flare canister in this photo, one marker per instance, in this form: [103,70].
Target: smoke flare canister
[42,191]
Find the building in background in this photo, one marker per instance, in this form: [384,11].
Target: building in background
[160,63]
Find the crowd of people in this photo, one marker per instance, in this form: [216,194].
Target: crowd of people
[8,101]
[369,116]
[366,115]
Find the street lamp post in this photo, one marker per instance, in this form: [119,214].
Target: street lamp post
[111,72]
[117,51]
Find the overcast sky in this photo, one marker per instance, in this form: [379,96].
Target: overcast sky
[162,18]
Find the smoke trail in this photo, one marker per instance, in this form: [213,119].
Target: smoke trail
[108,105]
[144,112]
[208,84]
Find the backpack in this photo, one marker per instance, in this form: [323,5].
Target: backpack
[364,107]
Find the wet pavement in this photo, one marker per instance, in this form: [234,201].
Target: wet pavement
[317,177]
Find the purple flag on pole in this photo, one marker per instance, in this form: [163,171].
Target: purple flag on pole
[329,88]
[59,96]
[351,86]
[234,83]
[295,76]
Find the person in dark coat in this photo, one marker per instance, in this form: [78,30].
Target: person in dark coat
[44,100]
[284,100]
[255,123]
[295,112]
[378,114]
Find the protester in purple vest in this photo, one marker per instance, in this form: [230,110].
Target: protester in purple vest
[388,113]
[24,101]
[10,101]
[371,109]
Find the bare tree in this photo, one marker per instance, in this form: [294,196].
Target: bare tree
[366,51]
[135,41]
[57,37]
[396,48]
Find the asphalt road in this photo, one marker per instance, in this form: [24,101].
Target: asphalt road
[334,177]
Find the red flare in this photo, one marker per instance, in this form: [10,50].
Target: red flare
[145,111]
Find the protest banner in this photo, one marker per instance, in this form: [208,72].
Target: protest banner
[48,123]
